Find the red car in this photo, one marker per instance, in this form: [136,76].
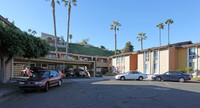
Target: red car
[42,80]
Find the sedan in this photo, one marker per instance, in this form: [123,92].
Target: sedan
[172,76]
[42,80]
[131,75]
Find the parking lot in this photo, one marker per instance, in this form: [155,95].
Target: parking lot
[110,94]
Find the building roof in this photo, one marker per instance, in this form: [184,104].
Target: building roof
[190,45]
[179,44]
[5,20]
[124,54]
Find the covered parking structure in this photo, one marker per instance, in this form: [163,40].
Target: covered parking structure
[51,64]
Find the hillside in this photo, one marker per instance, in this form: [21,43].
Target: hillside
[85,50]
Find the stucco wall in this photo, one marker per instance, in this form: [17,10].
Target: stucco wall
[182,58]
[127,63]
[113,61]
[164,61]
[140,63]
[173,58]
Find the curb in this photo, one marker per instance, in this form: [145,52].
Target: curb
[9,93]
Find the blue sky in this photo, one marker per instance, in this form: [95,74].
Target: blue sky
[91,19]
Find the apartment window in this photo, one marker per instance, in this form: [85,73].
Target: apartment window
[44,65]
[155,55]
[147,68]
[104,61]
[155,68]
[147,56]
[122,60]
[53,56]
[69,57]
[117,60]
[192,53]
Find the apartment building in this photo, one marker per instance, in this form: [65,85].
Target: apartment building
[124,62]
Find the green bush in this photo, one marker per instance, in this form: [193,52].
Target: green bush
[182,70]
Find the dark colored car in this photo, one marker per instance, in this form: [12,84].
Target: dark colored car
[42,80]
[70,73]
[172,76]
[80,72]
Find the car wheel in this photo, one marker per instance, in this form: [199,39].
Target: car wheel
[181,79]
[59,83]
[46,87]
[140,78]
[122,78]
[158,79]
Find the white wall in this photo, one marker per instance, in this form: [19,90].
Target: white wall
[127,63]
[164,61]
[140,63]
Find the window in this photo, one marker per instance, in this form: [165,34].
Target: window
[117,61]
[147,56]
[136,72]
[155,68]
[69,57]
[122,60]
[104,61]
[44,65]
[155,55]
[192,53]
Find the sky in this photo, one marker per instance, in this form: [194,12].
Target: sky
[91,19]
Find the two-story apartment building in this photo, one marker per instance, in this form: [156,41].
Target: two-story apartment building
[124,62]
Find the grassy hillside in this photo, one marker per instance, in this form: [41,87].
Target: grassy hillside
[86,50]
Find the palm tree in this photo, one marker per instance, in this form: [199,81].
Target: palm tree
[160,26]
[68,2]
[169,21]
[54,21]
[114,27]
[70,37]
[141,36]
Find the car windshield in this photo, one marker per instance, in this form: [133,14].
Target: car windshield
[40,74]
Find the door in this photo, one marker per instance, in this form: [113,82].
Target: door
[53,78]
[166,76]
[135,75]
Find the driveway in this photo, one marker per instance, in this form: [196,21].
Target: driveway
[110,94]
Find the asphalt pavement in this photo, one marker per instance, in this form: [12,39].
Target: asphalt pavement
[109,94]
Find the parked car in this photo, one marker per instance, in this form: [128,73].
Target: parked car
[131,75]
[42,80]
[80,72]
[70,73]
[172,76]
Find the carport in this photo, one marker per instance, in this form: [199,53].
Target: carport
[20,62]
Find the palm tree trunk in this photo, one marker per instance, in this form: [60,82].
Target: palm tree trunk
[168,35]
[67,46]
[115,41]
[54,21]
[160,35]
[141,45]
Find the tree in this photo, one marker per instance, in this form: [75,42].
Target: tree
[102,47]
[63,41]
[54,22]
[169,21]
[85,41]
[68,2]
[141,36]
[32,32]
[14,42]
[118,51]
[114,27]
[128,48]
[70,37]
[49,39]
[160,26]
[190,70]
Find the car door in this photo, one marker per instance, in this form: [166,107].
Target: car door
[166,76]
[52,79]
[175,75]
[129,75]
[135,75]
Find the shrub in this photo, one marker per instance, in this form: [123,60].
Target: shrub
[182,70]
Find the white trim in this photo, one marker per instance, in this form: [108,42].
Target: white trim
[196,61]
[168,59]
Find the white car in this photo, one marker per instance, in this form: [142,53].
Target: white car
[131,75]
